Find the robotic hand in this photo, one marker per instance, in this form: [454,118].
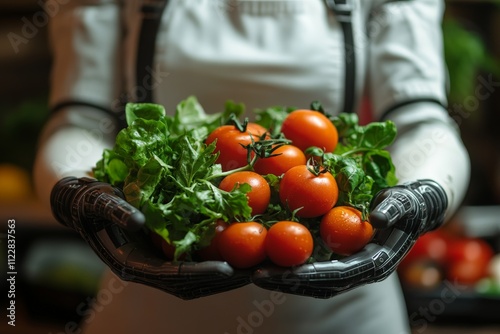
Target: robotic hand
[105,220]
[98,212]
[399,214]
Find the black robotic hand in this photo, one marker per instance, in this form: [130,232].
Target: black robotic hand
[98,212]
[400,215]
[107,222]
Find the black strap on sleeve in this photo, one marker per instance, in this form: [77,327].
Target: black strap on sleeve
[343,12]
[78,103]
[152,12]
[387,113]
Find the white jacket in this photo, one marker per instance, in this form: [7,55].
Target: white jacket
[261,53]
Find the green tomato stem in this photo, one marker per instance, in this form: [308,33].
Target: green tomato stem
[356,150]
[231,171]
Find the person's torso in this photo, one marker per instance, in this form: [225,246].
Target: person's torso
[261,53]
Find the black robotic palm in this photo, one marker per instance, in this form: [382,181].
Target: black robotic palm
[400,215]
[107,222]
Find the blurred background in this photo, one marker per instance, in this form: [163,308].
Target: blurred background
[55,289]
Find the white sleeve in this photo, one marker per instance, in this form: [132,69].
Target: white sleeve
[431,149]
[407,84]
[71,145]
[85,37]
[406,59]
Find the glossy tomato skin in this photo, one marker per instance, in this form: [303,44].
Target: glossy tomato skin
[211,252]
[258,197]
[229,144]
[343,230]
[289,243]
[306,128]
[242,244]
[285,157]
[313,194]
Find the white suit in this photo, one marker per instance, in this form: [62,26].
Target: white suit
[261,53]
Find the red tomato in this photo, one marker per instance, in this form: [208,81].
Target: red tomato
[242,245]
[432,245]
[169,250]
[229,144]
[258,197]
[343,230]
[166,248]
[306,128]
[468,260]
[313,194]
[288,243]
[156,239]
[466,272]
[211,252]
[469,249]
[284,158]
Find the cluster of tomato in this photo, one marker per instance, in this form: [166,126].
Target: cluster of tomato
[445,254]
[308,191]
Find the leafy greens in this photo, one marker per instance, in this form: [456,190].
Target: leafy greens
[167,171]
